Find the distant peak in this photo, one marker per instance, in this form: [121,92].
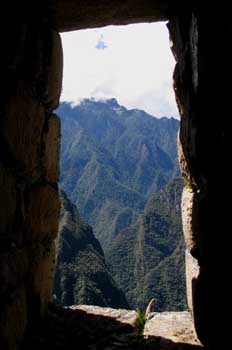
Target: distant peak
[112,102]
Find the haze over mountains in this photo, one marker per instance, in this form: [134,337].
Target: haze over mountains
[114,164]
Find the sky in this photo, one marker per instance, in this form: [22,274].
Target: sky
[131,63]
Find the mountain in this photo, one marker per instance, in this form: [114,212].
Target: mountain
[113,160]
[82,276]
[120,168]
[147,260]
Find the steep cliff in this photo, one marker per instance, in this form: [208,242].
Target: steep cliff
[81,274]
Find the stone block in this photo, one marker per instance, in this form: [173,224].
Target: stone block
[23,125]
[8,204]
[175,330]
[45,62]
[13,319]
[13,268]
[190,220]
[125,317]
[51,155]
[41,275]
[182,161]
[42,213]
[187,211]
[54,71]
[192,271]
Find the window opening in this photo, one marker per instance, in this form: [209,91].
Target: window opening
[120,242]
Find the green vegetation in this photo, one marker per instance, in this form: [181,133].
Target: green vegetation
[81,273]
[112,161]
[120,168]
[190,186]
[142,319]
[148,258]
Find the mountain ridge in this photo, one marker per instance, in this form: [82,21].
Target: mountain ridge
[120,168]
[113,160]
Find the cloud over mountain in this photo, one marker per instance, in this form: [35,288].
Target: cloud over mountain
[131,63]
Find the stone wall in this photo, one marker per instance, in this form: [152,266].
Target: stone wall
[74,15]
[29,171]
[31,74]
[201,78]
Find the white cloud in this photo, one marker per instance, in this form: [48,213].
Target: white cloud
[135,66]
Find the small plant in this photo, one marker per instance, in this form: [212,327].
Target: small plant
[188,185]
[136,339]
[142,320]
[192,187]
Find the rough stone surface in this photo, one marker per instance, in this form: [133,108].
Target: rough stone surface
[187,209]
[13,319]
[175,327]
[41,274]
[186,88]
[7,212]
[189,204]
[29,169]
[192,271]
[98,328]
[182,161]
[200,74]
[129,317]
[14,266]
[54,71]
[27,115]
[42,213]
[52,149]
[101,329]
[72,15]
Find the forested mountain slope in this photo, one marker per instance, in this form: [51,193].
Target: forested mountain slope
[113,160]
[120,168]
[81,274]
[147,260]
